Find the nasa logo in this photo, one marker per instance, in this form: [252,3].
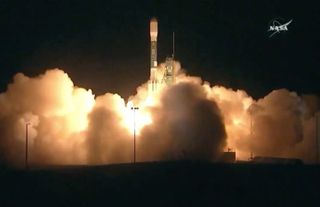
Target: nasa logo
[276,27]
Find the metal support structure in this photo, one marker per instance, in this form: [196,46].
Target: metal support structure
[173,46]
[27,148]
[134,132]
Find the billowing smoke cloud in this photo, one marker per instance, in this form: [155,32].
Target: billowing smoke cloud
[107,140]
[189,120]
[57,113]
[282,126]
[186,125]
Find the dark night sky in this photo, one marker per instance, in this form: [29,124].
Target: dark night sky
[104,45]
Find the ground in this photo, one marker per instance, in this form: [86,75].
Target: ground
[186,183]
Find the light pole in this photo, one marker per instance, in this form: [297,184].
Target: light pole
[317,137]
[27,140]
[134,132]
[251,133]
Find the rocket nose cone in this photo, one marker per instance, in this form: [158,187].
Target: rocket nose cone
[153,19]
[153,28]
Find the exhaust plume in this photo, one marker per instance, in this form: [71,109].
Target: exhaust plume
[190,119]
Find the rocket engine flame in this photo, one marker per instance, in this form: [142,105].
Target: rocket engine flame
[142,118]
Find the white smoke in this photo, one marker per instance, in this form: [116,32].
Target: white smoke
[190,119]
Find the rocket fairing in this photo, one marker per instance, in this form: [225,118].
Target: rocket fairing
[153,50]
[153,36]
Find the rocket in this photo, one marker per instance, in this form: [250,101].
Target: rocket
[153,55]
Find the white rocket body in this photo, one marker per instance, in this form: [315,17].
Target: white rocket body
[153,54]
